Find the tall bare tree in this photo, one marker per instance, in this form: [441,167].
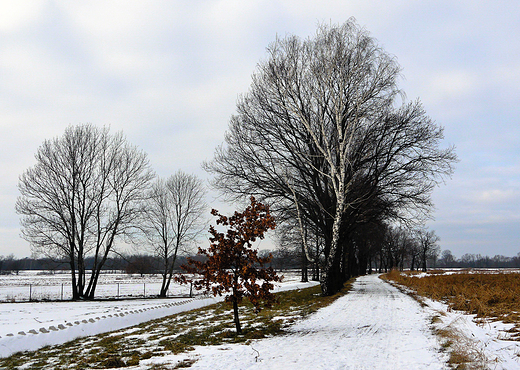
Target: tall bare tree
[428,246]
[83,193]
[173,219]
[323,125]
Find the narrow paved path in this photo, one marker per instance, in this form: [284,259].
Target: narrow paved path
[375,326]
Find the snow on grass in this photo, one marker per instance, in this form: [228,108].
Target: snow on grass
[375,326]
[172,334]
[488,344]
[477,341]
[31,325]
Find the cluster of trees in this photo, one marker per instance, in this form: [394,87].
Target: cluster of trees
[10,264]
[89,190]
[377,249]
[470,260]
[324,136]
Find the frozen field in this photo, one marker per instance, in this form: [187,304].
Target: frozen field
[30,325]
[39,285]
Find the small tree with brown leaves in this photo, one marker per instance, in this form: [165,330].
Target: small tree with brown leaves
[232,265]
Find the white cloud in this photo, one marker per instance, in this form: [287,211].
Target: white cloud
[452,85]
[168,75]
[15,15]
[496,196]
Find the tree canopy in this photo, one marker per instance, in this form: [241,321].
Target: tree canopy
[232,266]
[324,134]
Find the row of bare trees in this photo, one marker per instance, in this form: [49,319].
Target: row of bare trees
[324,136]
[90,190]
[372,247]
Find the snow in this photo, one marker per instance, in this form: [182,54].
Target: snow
[80,319]
[488,340]
[32,325]
[375,326]
[41,285]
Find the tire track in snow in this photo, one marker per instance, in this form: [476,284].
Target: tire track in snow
[375,326]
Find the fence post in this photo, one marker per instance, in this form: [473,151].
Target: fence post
[117,290]
[30,292]
[191,288]
[62,291]
[144,290]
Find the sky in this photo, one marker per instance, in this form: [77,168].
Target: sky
[168,74]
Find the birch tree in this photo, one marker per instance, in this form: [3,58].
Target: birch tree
[325,125]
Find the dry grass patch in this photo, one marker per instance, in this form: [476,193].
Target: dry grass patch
[495,296]
[489,296]
[463,353]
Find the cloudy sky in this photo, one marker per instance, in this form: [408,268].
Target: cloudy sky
[168,73]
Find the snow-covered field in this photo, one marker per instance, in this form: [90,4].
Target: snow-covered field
[375,326]
[31,325]
[39,285]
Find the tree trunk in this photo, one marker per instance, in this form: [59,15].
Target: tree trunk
[305,273]
[331,280]
[236,319]
[162,293]
[331,272]
[75,293]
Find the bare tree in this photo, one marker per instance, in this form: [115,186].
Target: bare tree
[320,130]
[448,259]
[82,194]
[428,246]
[173,219]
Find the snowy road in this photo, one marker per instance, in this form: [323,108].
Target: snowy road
[375,326]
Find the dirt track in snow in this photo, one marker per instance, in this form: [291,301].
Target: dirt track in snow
[375,326]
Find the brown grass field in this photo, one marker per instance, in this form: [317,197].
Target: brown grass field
[493,296]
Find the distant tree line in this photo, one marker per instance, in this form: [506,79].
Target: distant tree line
[469,260]
[283,258]
[142,264]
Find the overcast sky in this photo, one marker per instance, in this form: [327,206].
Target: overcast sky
[168,73]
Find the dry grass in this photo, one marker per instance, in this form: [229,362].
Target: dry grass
[489,296]
[495,296]
[463,353]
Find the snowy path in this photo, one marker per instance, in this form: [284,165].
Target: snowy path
[375,326]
